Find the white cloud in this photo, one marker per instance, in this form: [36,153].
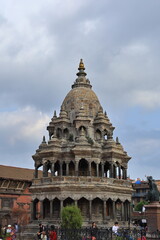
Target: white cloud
[89,26]
[146,98]
[23,124]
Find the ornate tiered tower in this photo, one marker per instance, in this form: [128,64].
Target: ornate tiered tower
[82,164]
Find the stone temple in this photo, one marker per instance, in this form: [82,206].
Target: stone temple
[82,163]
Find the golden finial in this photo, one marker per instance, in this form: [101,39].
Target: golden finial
[81,65]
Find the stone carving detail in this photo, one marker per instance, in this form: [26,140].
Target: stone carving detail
[153,193]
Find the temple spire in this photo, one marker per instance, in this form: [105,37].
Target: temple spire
[81,81]
[81,65]
[81,69]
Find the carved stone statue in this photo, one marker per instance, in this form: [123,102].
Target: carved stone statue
[153,193]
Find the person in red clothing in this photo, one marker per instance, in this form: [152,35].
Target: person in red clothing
[52,233]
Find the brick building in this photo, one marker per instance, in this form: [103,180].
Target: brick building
[140,188]
[14,192]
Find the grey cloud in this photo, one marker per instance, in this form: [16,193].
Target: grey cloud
[42,45]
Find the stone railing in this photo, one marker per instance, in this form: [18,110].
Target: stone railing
[80,179]
[99,234]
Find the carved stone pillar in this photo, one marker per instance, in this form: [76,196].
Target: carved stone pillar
[76,169]
[41,209]
[76,203]
[67,169]
[115,171]
[124,173]
[36,172]
[104,210]
[90,210]
[102,170]
[111,170]
[97,170]
[60,169]
[89,168]
[52,169]
[122,213]
[51,209]
[45,173]
[114,210]
[129,211]
[33,214]
[119,172]
[61,202]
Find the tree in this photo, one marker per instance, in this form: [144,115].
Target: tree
[21,217]
[71,217]
[140,205]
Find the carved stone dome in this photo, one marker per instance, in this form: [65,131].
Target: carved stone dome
[81,97]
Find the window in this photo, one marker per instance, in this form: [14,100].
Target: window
[7,203]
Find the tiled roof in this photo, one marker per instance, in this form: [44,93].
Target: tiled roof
[16,173]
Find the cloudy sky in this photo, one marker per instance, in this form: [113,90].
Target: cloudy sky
[41,43]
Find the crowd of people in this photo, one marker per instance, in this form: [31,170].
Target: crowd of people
[9,232]
[116,232]
[46,233]
[49,233]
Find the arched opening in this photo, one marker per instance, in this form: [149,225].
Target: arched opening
[38,170]
[124,173]
[93,169]
[97,209]
[114,171]
[118,206]
[109,209]
[83,168]
[100,170]
[119,170]
[106,169]
[46,208]
[57,169]
[98,135]
[66,133]
[83,204]
[56,208]
[36,209]
[71,169]
[126,210]
[64,169]
[59,133]
[68,201]
[82,128]
[51,134]
[46,168]
[105,134]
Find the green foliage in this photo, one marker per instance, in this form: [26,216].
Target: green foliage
[119,238]
[140,205]
[71,217]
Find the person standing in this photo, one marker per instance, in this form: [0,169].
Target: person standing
[52,233]
[41,229]
[13,233]
[43,236]
[115,228]
[94,231]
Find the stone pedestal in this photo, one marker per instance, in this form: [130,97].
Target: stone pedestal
[153,216]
